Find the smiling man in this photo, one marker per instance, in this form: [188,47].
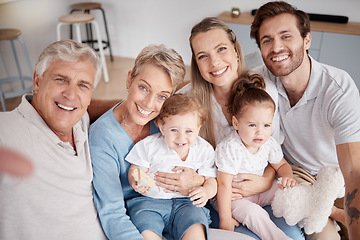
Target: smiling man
[50,128]
[318,107]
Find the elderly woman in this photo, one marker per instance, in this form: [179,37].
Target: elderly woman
[155,75]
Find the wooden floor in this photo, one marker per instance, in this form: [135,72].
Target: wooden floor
[114,89]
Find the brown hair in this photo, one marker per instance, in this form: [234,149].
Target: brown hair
[272,9]
[180,104]
[248,90]
[201,88]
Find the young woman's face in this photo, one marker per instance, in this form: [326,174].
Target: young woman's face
[216,57]
[180,132]
[254,126]
[147,93]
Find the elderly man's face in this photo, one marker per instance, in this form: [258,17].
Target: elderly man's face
[63,94]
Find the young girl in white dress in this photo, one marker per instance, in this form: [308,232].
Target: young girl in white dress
[250,149]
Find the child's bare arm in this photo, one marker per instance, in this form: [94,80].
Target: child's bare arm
[284,171]
[224,201]
[202,194]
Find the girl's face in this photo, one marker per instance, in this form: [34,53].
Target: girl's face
[147,93]
[180,132]
[216,57]
[254,125]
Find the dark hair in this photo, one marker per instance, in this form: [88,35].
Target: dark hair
[248,90]
[180,104]
[272,9]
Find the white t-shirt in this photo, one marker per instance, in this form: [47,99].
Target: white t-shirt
[153,153]
[232,157]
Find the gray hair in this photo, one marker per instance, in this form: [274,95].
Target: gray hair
[166,58]
[68,51]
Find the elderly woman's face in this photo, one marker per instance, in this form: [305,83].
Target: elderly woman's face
[147,93]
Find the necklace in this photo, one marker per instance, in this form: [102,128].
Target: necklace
[126,125]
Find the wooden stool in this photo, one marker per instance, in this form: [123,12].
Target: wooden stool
[78,19]
[86,7]
[12,35]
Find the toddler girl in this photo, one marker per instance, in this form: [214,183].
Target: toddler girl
[249,149]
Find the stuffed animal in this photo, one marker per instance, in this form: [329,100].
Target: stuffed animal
[310,206]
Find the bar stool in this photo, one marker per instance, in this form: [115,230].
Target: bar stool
[78,19]
[86,7]
[12,35]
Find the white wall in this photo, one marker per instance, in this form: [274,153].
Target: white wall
[133,24]
[140,22]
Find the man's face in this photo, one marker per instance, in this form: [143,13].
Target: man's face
[281,45]
[63,94]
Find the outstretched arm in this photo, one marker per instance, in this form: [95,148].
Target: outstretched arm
[14,163]
[349,160]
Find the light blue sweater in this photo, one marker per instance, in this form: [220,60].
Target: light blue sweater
[109,145]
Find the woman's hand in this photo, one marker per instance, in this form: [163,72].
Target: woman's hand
[182,181]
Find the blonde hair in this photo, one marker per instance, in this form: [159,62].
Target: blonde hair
[166,58]
[180,104]
[201,88]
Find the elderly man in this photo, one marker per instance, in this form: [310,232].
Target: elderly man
[50,128]
[318,107]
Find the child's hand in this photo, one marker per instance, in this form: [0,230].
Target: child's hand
[229,224]
[199,196]
[287,182]
[142,190]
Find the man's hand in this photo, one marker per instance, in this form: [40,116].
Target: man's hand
[14,164]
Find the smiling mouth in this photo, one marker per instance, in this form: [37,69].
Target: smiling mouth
[65,107]
[142,111]
[180,144]
[219,72]
[279,58]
